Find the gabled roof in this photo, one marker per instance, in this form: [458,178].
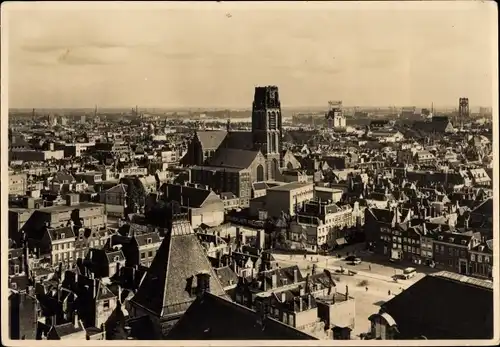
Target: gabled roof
[234,158]
[211,140]
[165,289]
[226,276]
[143,239]
[111,256]
[207,319]
[444,306]
[119,188]
[61,233]
[66,329]
[185,195]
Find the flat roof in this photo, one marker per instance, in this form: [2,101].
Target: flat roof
[290,186]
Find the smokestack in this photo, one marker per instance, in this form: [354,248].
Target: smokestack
[76,322]
[274,279]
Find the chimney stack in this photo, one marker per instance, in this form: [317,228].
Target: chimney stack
[76,322]
[347,292]
[274,279]
[295,276]
[309,301]
[283,296]
[202,284]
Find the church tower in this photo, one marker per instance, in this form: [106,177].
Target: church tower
[267,127]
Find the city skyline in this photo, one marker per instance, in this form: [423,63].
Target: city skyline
[176,57]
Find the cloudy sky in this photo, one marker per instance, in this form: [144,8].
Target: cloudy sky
[214,55]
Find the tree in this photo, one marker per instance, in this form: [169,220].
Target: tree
[136,194]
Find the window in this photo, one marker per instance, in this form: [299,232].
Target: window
[479,258]
[473,257]
[16,269]
[105,305]
[486,259]
[150,254]
[143,255]
[63,236]
[117,258]
[56,247]
[149,240]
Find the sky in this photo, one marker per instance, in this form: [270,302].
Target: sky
[199,55]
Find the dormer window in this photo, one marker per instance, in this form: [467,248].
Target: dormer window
[440,237]
[117,258]
[452,239]
[149,240]
[464,242]
[63,235]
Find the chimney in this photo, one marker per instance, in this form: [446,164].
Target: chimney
[283,296]
[295,276]
[302,290]
[202,284]
[274,279]
[96,285]
[301,304]
[76,322]
[347,292]
[333,298]
[309,301]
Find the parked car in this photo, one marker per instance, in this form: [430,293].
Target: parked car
[356,261]
[409,272]
[350,258]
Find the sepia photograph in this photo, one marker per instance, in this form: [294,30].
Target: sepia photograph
[249,173]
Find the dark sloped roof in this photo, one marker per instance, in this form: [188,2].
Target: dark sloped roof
[234,158]
[185,195]
[226,276]
[239,140]
[207,319]
[61,233]
[211,140]
[143,239]
[67,329]
[440,307]
[164,290]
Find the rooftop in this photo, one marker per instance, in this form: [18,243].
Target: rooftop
[290,186]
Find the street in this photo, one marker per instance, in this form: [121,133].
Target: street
[378,284]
